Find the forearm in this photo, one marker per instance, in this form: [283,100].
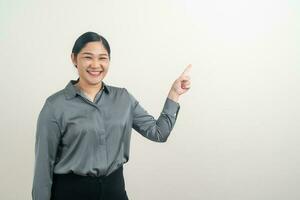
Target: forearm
[156,130]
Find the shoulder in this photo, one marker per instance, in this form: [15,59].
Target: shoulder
[122,93]
[113,88]
[117,90]
[56,97]
[53,104]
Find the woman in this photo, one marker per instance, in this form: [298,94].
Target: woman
[83,131]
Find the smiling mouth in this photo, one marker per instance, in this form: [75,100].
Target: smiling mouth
[94,73]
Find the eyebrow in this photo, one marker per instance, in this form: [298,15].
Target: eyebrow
[88,53]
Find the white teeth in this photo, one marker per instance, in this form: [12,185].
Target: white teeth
[94,72]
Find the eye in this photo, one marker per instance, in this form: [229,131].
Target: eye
[87,57]
[103,58]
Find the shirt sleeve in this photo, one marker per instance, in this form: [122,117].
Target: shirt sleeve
[47,140]
[157,130]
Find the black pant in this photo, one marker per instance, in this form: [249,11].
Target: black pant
[76,187]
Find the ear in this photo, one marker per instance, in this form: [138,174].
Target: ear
[73,57]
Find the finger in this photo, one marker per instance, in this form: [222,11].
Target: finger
[186,87]
[187,84]
[185,78]
[187,70]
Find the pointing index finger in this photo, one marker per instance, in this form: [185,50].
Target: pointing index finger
[187,70]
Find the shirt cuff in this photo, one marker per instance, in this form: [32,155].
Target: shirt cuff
[171,107]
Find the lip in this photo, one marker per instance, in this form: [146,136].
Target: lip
[94,73]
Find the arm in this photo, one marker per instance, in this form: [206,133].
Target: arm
[145,124]
[47,140]
[160,129]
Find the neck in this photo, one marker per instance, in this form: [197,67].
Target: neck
[88,88]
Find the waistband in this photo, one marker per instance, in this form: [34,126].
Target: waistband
[115,174]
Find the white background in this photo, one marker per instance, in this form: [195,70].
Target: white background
[237,133]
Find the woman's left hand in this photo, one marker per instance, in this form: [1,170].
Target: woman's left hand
[181,85]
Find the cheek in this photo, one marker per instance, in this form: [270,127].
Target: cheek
[81,69]
[105,72]
[83,63]
[106,67]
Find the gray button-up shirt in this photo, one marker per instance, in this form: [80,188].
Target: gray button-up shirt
[77,135]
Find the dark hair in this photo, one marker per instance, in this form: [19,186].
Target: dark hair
[89,37]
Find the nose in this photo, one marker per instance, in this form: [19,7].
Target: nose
[95,64]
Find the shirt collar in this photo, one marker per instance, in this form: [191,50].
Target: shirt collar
[71,90]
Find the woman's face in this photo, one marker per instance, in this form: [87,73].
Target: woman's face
[92,63]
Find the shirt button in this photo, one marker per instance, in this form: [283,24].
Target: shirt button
[102,139]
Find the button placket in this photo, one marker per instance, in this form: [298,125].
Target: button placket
[101,139]
[101,130]
[102,142]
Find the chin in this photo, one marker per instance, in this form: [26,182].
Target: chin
[94,82]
